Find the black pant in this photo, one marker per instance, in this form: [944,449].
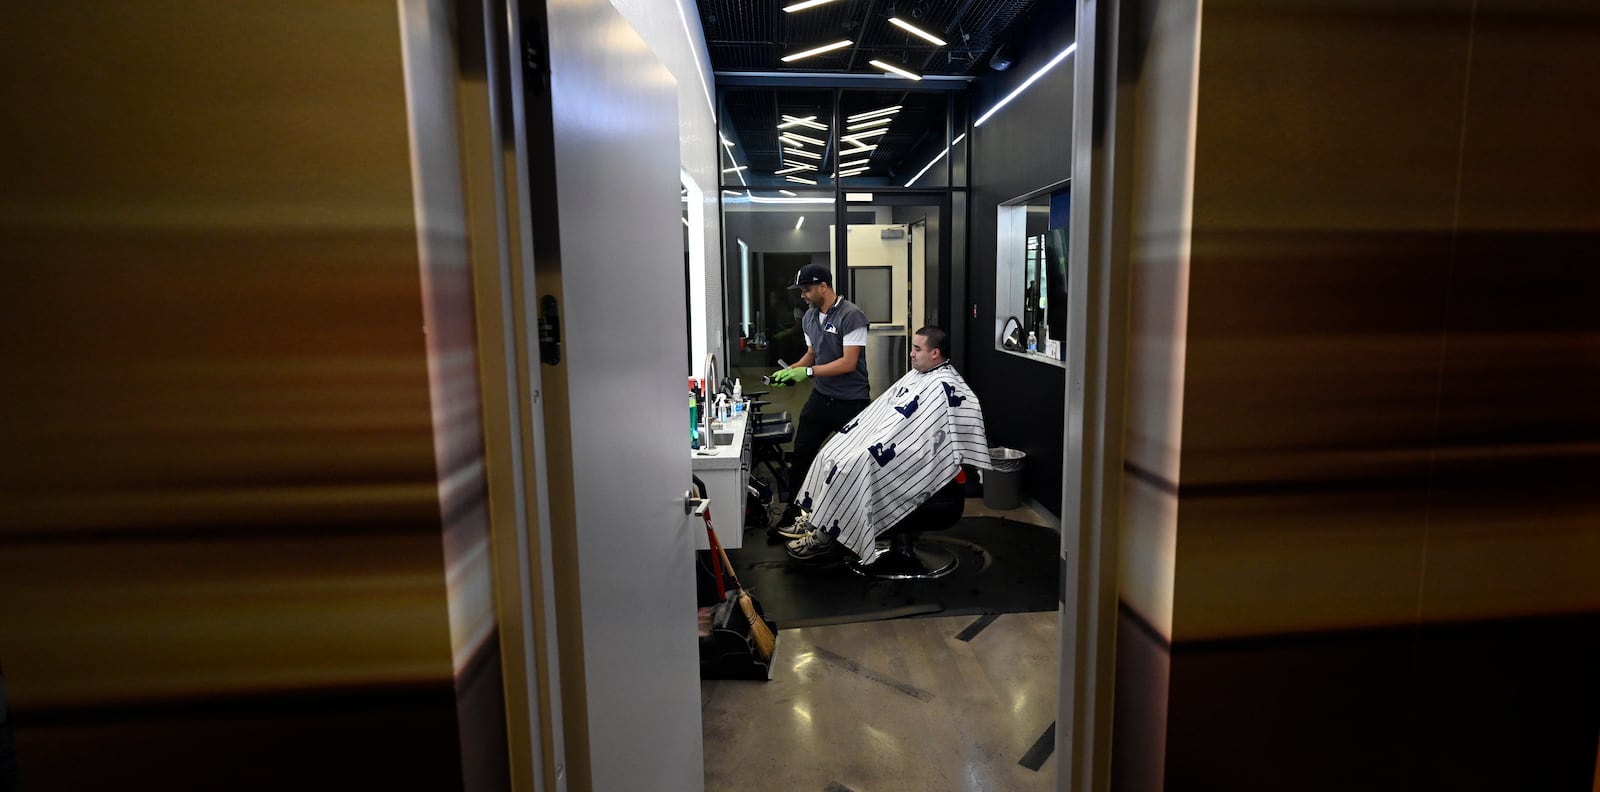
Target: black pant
[821,417]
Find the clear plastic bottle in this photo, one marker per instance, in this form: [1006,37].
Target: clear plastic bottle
[1033,341]
[738,397]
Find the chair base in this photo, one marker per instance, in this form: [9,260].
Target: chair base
[916,562]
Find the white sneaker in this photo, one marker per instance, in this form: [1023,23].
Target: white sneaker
[812,545]
[801,527]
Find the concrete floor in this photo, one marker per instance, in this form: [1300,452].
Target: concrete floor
[892,705]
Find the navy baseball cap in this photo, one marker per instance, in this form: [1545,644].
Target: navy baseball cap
[812,273]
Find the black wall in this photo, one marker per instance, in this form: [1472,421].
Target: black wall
[1024,147]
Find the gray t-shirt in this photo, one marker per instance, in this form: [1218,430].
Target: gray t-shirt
[827,335]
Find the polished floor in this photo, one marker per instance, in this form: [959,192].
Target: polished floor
[926,704]
[905,704]
[937,703]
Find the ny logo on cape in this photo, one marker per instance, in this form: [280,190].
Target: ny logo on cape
[847,427]
[883,455]
[908,408]
[833,470]
[950,393]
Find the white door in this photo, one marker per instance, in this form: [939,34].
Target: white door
[920,276]
[878,283]
[616,407]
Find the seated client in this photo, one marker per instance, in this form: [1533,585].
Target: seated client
[905,446]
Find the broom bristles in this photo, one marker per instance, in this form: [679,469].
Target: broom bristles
[766,643]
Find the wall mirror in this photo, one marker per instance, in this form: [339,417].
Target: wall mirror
[1031,266]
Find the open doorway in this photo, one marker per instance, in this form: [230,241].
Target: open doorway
[949,673]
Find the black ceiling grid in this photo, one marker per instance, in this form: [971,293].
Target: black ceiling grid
[750,37]
[754,35]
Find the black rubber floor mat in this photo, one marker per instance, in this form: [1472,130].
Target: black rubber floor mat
[1005,567]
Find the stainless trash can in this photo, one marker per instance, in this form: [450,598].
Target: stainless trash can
[1002,486]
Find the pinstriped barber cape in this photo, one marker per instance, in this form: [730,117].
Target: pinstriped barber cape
[908,443]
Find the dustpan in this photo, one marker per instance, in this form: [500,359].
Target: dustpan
[729,649]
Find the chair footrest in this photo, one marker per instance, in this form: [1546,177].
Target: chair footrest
[924,561]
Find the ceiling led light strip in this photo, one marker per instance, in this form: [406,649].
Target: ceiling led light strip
[799,180]
[794,167]
[803,6]
[817,50]
[803,153]
[738,170]
[916,31]
[856,164]
[790,193]
[865,134]
[795,199]
[735,169]
[857,148]
[936,159]
[893,69]
[811,140]
[1024,86]
[873,114]
[876,122]
[791,141]
[807,121]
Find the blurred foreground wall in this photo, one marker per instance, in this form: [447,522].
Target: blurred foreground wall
[1364,425]
[223,558]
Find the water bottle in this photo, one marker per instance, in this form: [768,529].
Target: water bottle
[738,397]
[1033,341]
[694,419]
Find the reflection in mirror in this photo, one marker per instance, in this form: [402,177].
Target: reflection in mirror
[789,138]
[769,236]
[889,136]
[694,270]
[1031,259]
[777,138]
[688,266]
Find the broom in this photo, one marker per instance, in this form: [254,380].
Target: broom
[766,643]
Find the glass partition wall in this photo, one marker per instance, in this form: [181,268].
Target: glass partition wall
[858,179]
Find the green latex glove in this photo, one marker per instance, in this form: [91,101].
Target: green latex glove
[790,376]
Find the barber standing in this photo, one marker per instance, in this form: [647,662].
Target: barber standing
[836,341]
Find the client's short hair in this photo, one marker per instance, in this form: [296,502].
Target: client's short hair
[937,339]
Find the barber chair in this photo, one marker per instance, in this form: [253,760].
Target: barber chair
[768,434]
[906,559]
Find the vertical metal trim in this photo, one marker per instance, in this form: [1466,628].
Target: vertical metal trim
[1095,387]
[524,306]
[517,365]
[841,212]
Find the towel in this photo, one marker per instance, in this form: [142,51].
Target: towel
[910,442]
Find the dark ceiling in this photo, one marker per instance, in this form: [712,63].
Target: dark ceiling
[748,38]
[753,35]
